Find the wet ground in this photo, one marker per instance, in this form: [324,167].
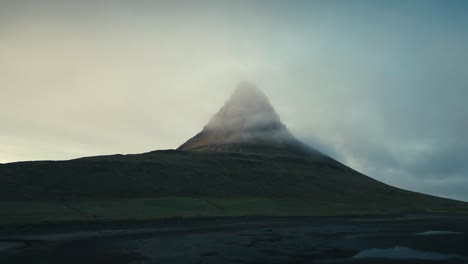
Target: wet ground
[266,240]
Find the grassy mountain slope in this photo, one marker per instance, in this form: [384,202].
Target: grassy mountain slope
[193,183]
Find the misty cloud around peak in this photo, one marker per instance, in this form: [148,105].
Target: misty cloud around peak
[247,116]
[248,109]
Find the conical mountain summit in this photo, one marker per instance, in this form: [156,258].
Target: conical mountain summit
[246,123]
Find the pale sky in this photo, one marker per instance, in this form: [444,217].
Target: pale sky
[379,85]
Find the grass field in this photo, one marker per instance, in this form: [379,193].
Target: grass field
[164,184]
[167,207]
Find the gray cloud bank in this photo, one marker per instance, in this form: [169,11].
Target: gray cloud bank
[380,86]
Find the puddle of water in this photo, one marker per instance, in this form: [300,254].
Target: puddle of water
[432,233]
[404,253]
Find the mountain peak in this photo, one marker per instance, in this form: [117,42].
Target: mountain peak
[246,118]
[247,89]
[248,109]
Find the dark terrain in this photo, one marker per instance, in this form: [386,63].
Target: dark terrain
[405,239]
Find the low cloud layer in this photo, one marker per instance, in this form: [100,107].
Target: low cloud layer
[379,86]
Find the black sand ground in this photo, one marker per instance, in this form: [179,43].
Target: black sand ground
[408,239]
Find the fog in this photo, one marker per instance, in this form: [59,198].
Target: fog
[247,116]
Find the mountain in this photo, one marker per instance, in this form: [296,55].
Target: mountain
[244,162]
[248,123]
[247,117]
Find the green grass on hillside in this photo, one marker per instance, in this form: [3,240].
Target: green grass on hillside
[166,207]
[164,184]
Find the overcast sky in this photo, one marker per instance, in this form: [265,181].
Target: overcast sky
[379,85]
